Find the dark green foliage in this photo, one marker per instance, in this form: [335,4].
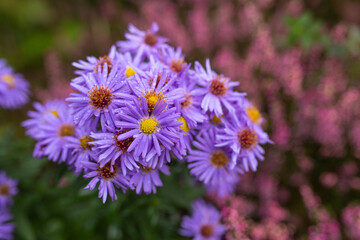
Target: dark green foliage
[52,204]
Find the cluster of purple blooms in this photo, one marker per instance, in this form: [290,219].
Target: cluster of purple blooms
[14,89]
[8,189]
[141,106]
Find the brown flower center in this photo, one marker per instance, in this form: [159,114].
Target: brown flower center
[207,230]
[247,138]
[106,173]
[101,62]
[122,145]
[66,129]
[177,65]
[150,39]
[219,159]
[84,142]
[188,101]
[218,86]
[100,97]
[4,190]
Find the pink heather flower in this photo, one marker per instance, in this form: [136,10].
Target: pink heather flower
[351,220]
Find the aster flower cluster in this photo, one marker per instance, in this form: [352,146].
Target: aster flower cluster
[14,89]
[8,189]
[140,105]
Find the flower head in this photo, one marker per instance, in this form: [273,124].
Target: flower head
[108,176]
[216,90]
[8,189]
[245,139]
[142,43]
[204,223]
[212,165]
[153,131]
[40,116]
[94,64]
[53,134]
[97,98]
[14,89]
[109,149]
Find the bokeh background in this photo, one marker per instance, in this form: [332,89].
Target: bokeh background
[299,62]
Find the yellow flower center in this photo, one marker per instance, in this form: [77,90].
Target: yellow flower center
[55,113]
[219,159]
[129,72]
[84,142]
[152,97]
[216,120]
[254,114]
[148,125]
[9,79]
[184,126]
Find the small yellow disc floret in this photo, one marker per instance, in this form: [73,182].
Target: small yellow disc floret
[9,79]
[55,113]
[148,125]
[129,72]
[184,126]
[253,114]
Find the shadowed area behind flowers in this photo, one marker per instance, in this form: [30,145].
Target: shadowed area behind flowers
[297,60]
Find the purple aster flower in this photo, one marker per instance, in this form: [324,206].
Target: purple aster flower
[149,130]
[245,140]
[212,165]
[97,98]
[38,117]
[216,90]
[82,145]
[147,178]
[156,85]
[8,189]
[204,224]
[143,43]
[108,176]
[6,228]
[94,64]
[52,135]
[14,89]
[174,60]
[110,149]
[190,104]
